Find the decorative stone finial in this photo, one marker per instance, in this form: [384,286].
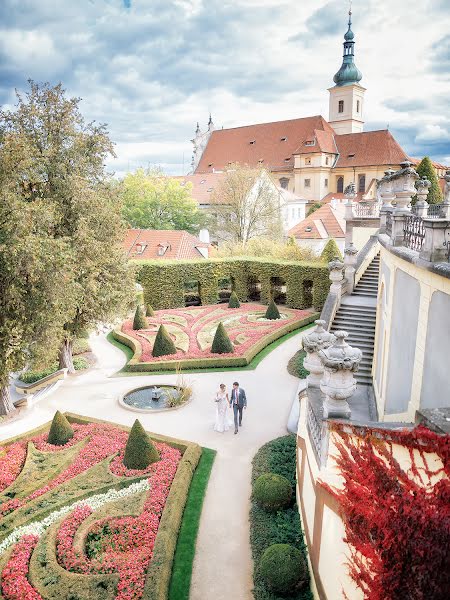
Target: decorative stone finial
[447,187]
[340,361]
[350,250]
[318,339]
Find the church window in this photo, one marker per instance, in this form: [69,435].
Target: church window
[326,182]
[307,161]
[357,106]
[341,106]
[362,183]
[340,185]
[284,182]
[307,183]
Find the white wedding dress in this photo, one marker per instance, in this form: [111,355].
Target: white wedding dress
[223,421]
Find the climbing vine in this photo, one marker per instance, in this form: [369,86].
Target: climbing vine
[397,522]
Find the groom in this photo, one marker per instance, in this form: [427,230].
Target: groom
[238,402]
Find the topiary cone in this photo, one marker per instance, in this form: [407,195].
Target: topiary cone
[60,431]
[139,451]
[139,321]
[272,312]
[149,310]
[221,342]
[163,343]
[234,301]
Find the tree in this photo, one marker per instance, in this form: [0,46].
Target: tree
[35,276]
[426,169]
[61,430]
[163,343]
[234,301]
[330,251]
[246,205]
[139,451]
[221,342]
[272,312]
[313,208]
[59,158]
[153,201]
[139,321]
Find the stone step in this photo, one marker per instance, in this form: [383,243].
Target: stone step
[359,293]
[367,311]
[359,317]
[361,325]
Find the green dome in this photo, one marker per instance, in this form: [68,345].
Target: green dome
[349,72]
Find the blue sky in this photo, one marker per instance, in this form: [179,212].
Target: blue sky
[151,69]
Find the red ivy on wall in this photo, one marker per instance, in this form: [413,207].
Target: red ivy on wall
[396,522]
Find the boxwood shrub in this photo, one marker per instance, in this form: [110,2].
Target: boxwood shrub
[164,282]
[283,568]
[272,491]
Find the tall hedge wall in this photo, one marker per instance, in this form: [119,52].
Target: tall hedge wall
[163,281]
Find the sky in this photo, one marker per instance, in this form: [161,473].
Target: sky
[150,69]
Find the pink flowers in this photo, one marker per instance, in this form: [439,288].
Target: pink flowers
[11,463]
[243,328]
[15,585]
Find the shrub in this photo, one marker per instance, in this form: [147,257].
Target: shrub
[272,491]
[283,568]
[163,343]
[330,251]
[60,431]
[80,363]
[221,342]
[149,310]
[295,365]
[139,451]
[33,376]
[79,346]
[139,321]
[272,312]
[234,301]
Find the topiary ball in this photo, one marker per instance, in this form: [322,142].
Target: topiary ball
[234,301]
[272,492]
[139,451]
[283,568]
[60,431]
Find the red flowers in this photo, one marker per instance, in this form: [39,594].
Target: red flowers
[15,585]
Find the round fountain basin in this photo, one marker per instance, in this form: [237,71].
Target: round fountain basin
[149,398]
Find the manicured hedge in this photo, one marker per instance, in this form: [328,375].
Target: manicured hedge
[164,281]
[282,527]
[135,365]
[295,366]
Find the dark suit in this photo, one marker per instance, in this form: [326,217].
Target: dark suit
[238,405]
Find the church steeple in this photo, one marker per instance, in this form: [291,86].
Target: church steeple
[348,74]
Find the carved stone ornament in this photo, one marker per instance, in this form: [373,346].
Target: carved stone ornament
[340,355]
[350,250]
[335,265]
[318,339]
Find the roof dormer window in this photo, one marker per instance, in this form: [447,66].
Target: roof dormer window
[162,248]
[140,248]
[252,142]
[210,165]
[310,143]
[261,160]
[287,159]
[283,139]
[209,190]
[351,155]
[202,181]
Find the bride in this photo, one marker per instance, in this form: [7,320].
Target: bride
[222,402]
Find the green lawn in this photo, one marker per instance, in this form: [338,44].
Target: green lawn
[250,367]
[180,582]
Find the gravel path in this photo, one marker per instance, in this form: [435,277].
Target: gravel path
[222,566]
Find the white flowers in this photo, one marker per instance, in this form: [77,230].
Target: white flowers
[94,502]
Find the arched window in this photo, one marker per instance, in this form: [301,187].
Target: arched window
[340,185]
[284,182]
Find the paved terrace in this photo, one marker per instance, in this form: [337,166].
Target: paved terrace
[223,548]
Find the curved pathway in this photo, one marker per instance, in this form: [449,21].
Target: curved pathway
[222,566]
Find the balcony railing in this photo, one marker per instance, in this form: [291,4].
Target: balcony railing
[314,426]
[389,223]
[434,211]
[367,210]
[414,232]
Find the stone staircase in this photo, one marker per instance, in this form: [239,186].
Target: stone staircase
[357,316]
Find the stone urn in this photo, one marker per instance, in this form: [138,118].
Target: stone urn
[336,275]
[339,361]
[318,339]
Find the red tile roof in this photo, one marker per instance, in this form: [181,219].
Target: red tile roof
[145,244]
[368,148]
[203,185]
[322,223]
[273,143]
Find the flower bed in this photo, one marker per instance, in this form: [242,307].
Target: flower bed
[193,329]
[115,545]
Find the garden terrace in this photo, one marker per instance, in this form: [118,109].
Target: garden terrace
[76,523]
[166,283]
[192,331]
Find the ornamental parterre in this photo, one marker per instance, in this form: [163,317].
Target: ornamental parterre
[192,329]
[119,544]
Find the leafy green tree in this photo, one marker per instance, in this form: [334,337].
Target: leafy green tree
[139,451]
[153,201]
[313,208]
[35,277]
[163,343]
[426,169]
[330,251]
[139,321]
[221,342]
[59,158]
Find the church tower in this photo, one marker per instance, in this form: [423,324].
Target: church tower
[347,96]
